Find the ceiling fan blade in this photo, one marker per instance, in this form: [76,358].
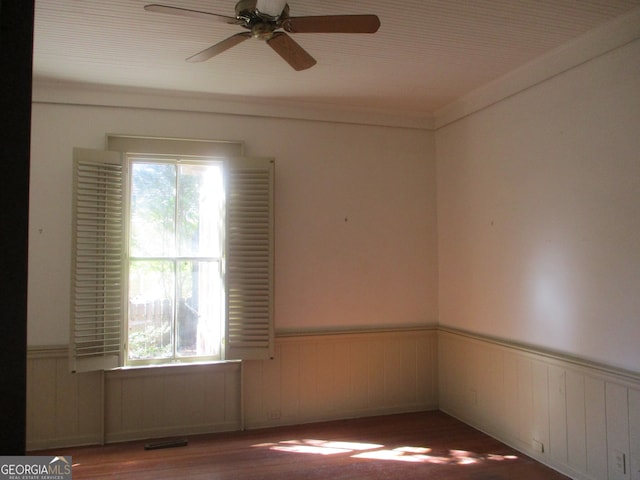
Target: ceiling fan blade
[218,48]
[332,24]
[185,12]
[291,52]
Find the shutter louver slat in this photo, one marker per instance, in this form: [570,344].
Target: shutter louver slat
[97,269]
[249,270]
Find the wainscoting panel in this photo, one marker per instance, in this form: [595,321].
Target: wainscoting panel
[596,427]
[313,377]
[617,430]
[580,418]
[634,440]
[175,400]
[324,377]
[63,409]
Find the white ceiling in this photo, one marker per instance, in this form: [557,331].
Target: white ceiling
[425,55]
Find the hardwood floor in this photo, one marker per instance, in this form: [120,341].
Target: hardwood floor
[427,445]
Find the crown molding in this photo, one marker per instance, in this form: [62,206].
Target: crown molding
[599,41]
[70,93]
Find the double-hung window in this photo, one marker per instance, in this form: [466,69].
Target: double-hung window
[173,254]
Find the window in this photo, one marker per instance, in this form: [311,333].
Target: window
[173,254]
[175,259]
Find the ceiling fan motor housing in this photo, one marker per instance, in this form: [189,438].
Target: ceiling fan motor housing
[261,24]
[247,10]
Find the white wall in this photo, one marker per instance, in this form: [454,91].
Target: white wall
[539,214]
[355,212]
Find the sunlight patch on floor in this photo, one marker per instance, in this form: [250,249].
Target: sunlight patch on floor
[374,451]
[318,447]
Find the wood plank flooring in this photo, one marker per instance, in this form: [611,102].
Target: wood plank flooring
[427,445]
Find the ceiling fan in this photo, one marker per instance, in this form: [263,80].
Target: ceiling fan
[269,20]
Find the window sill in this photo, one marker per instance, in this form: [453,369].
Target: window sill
[175,367]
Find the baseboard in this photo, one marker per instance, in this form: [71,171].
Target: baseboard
[283,422]
[154,433]
[63,442]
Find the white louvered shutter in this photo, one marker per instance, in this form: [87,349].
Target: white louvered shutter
[97,268]
[249,258]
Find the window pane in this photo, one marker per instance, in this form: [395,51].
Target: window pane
[152,210]
[151,300]
[199,316]
[200,207]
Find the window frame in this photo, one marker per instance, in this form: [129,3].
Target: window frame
[129,160]
[254,338]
